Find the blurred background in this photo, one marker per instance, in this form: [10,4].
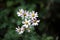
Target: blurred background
[49,16]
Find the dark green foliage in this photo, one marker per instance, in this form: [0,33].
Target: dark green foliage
[9,19]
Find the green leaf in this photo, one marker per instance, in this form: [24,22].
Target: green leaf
[9,3]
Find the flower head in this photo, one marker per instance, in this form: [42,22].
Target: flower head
[20,12]
[26,14]
[35,22]
[26,23]
[20,30]
[33,14]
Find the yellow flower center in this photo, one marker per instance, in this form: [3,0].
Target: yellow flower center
[20,12]
[33,15]
[26,23]
[24,14]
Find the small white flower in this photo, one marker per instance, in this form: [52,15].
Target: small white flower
[35,22]
[20,30]
[20,12]
[33,14]
[26,23]
[26,14]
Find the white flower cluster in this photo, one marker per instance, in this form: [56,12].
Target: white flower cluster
[28,20]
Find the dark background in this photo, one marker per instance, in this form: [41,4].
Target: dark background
[49,16]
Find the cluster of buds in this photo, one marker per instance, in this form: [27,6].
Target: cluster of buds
[29,20]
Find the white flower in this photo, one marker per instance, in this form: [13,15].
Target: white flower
[20,12]
[33,14]
[26,14]
[26,23]
[20,30]
[35,22]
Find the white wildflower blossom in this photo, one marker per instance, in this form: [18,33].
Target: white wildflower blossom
[20,30]
[20,12]
[26,23]
[26,14]
[35,22]
[33,14]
